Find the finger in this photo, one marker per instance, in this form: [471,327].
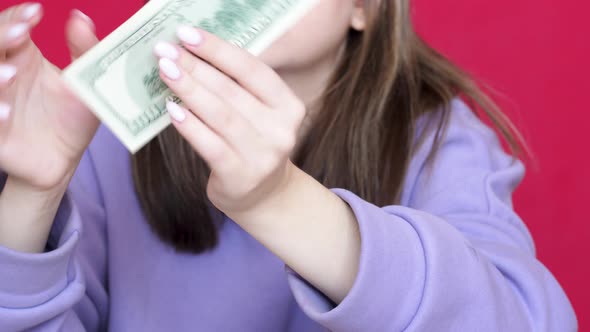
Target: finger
[211,78]
[7,75]
[208,107]
[13,36]
[209,145]
[246,69]
[25,12]
[16,23]
[80,33]
[5,112]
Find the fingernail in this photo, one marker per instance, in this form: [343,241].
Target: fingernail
[7,72]
[17,31]
[80,14]
[189,35]
[4,111]
[166,50]
[176,112]
[169,69]
[31,11]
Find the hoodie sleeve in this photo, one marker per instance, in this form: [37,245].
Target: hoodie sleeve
[454,257]
[62,289]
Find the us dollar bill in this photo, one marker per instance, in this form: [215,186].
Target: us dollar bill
[119,78]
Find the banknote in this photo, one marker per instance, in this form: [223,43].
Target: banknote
[119,78]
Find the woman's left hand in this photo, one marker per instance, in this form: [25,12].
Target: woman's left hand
[237,113]
[243,121]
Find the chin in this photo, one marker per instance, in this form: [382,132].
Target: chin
[283,53]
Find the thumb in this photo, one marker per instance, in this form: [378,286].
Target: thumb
[80,34]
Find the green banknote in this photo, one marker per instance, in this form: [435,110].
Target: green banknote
[119,81]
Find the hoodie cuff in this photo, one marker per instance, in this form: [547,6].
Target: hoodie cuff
[26,280]
[390,282]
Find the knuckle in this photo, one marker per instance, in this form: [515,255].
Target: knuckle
[216,46]
[293,114]
[189,65]
[227,89]
[5,85]
[254,177]
[297,110]
[192,64]
[285,142]
[252,67]
[8,75]
[217,156]
[213,192]
[289,143]
[267,165]
[185,87]
[187,92]
[227,121]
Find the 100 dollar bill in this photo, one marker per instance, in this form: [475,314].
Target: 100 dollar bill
[119,78]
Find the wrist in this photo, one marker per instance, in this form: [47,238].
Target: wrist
[17,192]
[27,214]
[274,201]
[312,230]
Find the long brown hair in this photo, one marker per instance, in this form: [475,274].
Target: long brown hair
[362,139]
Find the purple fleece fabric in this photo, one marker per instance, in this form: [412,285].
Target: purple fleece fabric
[453,257]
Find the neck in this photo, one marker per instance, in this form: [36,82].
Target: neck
[309,84]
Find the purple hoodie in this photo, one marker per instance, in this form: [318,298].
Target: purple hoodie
[454,256]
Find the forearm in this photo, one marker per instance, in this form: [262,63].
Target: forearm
[26,216]
[312,230]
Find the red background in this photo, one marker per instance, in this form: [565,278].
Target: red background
[534,53]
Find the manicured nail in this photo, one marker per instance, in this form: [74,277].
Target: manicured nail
[7,72]
[4,111]
[169,69]
[166,50]
[176,112]
[17,31]
[31,11]
[80,14]
[189,35]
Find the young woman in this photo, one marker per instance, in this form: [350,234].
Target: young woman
[195,231]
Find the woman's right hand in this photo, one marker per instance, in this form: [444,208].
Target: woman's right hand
[44,128]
